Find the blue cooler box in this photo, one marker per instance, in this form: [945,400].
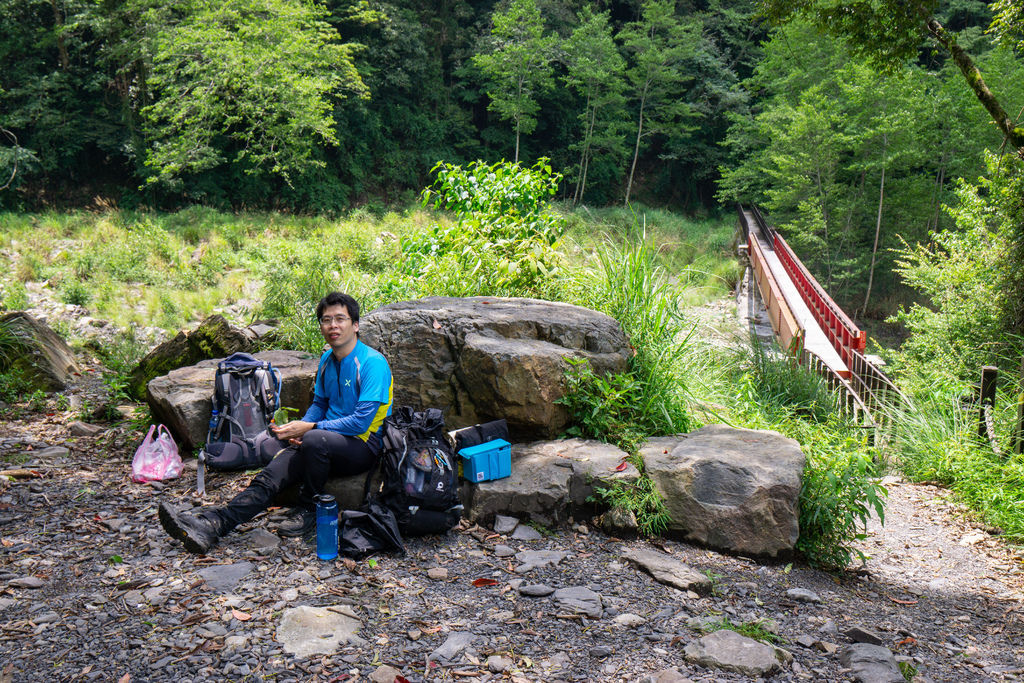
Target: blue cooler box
[490,460]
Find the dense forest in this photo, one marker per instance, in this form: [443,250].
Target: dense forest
[852,124]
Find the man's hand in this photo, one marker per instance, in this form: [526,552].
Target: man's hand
[292,431]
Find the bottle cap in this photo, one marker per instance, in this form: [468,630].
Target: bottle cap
[323,499]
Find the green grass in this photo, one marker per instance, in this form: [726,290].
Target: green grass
[758,630]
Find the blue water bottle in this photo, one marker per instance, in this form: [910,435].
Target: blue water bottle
[326,527]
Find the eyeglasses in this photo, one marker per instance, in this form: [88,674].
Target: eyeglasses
[327,320]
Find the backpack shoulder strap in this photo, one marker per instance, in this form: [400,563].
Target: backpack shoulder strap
[320,369]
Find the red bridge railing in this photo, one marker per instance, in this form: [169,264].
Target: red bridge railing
[846,337]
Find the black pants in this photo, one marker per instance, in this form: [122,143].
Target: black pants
[322,454]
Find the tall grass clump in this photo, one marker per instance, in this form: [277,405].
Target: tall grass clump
[938,442]
[629,286]
[649,399]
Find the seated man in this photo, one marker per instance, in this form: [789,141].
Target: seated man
[340,435]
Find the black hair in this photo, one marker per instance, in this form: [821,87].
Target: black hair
[339,299]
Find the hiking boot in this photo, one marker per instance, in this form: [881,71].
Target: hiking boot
[300,522]
[198,533]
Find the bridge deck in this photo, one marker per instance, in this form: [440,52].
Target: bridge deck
[814,339]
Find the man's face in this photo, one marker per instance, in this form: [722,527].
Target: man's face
[338,329]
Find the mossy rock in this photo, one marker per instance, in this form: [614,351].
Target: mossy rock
[38,356]
[213,338]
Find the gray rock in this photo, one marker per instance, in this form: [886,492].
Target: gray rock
[348,491]
[579,600]
[536,590]
[503,551]
[504,524]
[871,664]
[629,620]
[181,399]
[261,539]
[600,651]
[802,595]
[47,617]
[484,358]
[859,634]
[437,573]
[665,676]
[79,428]
[212,338]
[731,651]
[43,358]
[550,480]
[668,570]
[525,532]
[535,559]
[805,640]
[384,674]
[735,490]
[233,643]
[26,582]
[498,665]
[619,521]
[224,577]
[52,453]
[305,631]
[455,643]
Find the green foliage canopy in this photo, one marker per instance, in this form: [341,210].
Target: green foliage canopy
[261,73]
[518,65]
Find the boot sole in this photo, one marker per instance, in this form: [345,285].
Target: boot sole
[180,533]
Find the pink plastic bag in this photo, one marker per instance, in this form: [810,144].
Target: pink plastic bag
[156,457]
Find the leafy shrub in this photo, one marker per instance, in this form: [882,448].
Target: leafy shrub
[74,291]
[840,491]
[640,498]
[505,236]
[603,406]
[14,296]
[972,280]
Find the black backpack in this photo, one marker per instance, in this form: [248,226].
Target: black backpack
[419,473]
[246,394]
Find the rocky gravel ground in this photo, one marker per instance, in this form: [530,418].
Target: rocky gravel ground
[91,588]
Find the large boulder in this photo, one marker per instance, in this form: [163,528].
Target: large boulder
[550,479]
[182,399]
[41,357]
[484,358]
[213,338]
[735,490]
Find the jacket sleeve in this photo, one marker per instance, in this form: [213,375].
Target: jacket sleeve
[317,410]
[351,425]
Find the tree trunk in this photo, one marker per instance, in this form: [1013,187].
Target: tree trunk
[516,159]
[578,194]
[636,150]
[878,231]
[62,48]
[587,155]
[1014,134]
[940,181]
